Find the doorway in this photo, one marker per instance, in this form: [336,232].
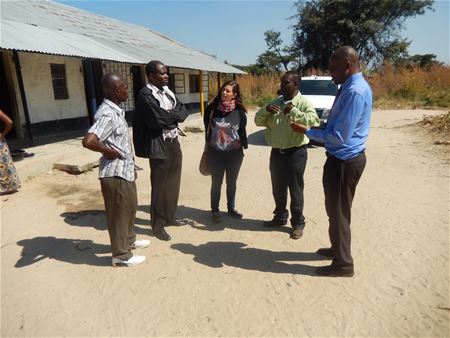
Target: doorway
[6,103]
[138,83]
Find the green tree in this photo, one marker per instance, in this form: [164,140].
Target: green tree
[371,26]
[397,52]
[424,61]
[276,56]
[269,61]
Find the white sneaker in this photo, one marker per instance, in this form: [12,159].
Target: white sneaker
[142,243]
[133,260]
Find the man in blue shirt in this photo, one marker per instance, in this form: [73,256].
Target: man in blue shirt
[344,137]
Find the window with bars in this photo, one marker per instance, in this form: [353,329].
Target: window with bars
[59,81]
[176,83]
[194,83]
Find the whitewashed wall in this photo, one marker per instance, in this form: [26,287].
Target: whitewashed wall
[188,97]
[38,85]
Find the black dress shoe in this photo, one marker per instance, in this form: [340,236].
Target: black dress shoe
[274,223]
[234,213]
[175,223]
[331,271]
[163,236]
[327,252]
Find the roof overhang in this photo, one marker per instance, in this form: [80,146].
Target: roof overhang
[30,33]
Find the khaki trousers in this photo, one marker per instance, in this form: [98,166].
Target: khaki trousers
[120,199]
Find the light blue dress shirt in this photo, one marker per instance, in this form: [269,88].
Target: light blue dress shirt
[347,128]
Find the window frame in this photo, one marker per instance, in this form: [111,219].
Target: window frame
[59,81]
[196,83]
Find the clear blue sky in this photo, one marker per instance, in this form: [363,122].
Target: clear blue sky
[234,30]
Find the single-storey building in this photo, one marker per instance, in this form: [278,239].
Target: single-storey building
[53,56]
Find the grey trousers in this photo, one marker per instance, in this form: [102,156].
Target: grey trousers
[120,197]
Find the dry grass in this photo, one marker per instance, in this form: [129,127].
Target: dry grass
[439,126]
[255,90]
[411,88]
[392,88]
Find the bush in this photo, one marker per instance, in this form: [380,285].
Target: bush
[256,90]
[402,87]
[411,86]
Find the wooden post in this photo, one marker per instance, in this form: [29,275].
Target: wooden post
[218,81]
[22,94]
[202,108]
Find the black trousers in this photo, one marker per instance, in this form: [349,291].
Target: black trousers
[224,163]
[165,178]
[340,179]
[286,171]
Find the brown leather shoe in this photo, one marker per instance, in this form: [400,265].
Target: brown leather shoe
[331,271]
[296,233]
[216,217]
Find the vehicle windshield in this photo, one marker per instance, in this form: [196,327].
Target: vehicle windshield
[318,87]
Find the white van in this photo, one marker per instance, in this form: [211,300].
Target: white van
[321,91]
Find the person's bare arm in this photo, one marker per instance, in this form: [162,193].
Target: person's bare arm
[7,123]
[92,142]
[299,128]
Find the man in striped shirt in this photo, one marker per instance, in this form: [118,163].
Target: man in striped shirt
[110,136]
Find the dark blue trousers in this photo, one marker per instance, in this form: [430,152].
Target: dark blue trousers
[287,167]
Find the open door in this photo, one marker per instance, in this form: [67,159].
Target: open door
[138,82]
[7,103]
[93,74]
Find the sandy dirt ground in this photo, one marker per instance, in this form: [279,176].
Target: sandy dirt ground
[236,278]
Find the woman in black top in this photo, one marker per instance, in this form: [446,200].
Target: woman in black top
[225,120]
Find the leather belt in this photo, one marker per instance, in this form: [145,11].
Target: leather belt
[287,150]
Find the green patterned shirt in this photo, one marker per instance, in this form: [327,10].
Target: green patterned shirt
[279,133]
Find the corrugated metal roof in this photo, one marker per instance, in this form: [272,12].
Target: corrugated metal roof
[53,28]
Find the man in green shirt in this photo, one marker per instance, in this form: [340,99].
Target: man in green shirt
[289,155]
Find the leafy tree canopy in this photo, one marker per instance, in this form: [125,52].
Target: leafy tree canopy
[277,57]
[370,26]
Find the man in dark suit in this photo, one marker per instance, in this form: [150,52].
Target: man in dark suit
[155,136]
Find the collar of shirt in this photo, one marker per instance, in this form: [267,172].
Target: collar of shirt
[114,106]
[159,93]
[350,80]
[347,83]
[296,97]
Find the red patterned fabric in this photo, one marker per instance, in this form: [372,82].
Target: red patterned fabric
[227,106]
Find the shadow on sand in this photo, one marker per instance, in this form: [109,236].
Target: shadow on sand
[75,251]
[257,138]
[201,219]
[220,254]
[96,219]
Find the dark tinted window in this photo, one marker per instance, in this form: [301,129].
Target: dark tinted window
[172,82]
[318,87]
[59,81]
[194,83]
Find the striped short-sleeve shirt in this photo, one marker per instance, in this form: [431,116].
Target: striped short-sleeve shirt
[111,128]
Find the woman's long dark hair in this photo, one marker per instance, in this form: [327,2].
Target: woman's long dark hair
[236,90]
